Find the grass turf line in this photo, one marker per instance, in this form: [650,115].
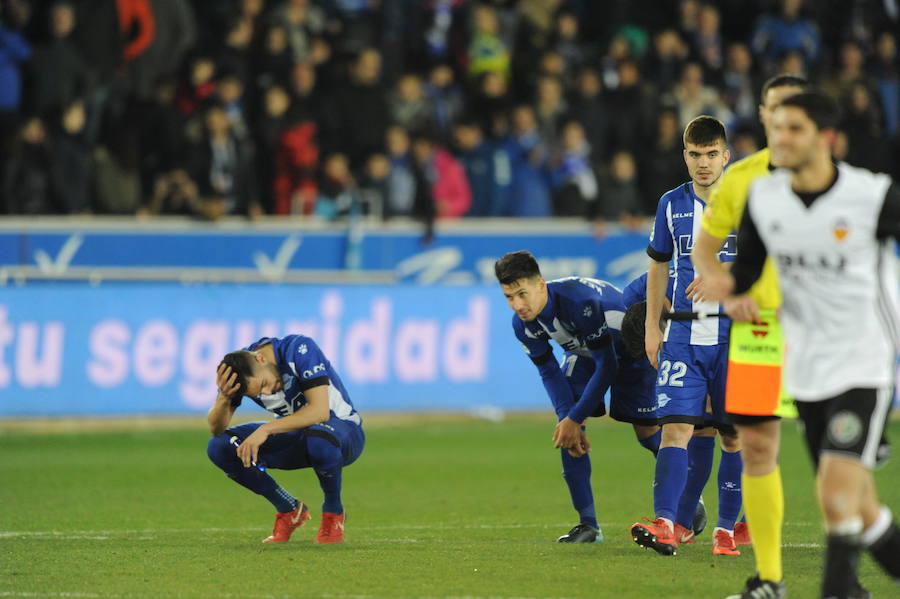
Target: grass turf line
[455,508]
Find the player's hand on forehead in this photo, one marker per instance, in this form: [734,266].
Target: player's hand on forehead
[226,379]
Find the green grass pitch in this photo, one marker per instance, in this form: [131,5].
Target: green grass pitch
[436,508]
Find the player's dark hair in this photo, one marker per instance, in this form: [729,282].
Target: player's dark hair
[634,329]
[515,266]
[704,130]
[820,109]
[241,362]
[783,81]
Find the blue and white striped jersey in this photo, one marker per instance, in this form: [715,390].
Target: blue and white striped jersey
[678,218]
[302,366]
[579,314]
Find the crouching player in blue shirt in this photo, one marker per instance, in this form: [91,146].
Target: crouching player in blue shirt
[583,316]
[315,426]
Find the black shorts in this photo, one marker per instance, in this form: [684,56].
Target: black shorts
[850,424]
[745,420]
[724,428]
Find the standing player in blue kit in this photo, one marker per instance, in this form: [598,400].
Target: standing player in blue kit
[583,316]
[691,356]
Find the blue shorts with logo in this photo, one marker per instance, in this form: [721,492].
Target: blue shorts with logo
[687,374]
[287,451]
[631,394]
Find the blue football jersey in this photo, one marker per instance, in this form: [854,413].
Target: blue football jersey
[302,365]
[678,218]
[579,313]
[636,291]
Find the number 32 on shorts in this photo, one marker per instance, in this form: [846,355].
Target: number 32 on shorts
[671,373]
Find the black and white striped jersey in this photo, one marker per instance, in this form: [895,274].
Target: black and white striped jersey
[835,256]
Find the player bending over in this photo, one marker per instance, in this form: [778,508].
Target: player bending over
[583,316]
[315,426]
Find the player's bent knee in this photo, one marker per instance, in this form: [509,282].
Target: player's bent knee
[220,450]
[757,448]
[644,432]
[839,504]
[323,453]
[730,443]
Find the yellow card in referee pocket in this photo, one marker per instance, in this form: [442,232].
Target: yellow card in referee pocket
[755,356]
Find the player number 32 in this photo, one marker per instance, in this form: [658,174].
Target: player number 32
[671,373]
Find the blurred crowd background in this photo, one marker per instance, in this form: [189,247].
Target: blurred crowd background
[411,108]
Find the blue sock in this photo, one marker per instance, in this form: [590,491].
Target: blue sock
[700,460]
[223,455]
[651,443]
[327,461]
[671,474]
[729,489]
[330,481]
[577,472]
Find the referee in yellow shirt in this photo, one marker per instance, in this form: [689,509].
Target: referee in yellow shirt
[756,413]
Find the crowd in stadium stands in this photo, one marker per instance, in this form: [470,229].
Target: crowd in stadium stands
[421,108]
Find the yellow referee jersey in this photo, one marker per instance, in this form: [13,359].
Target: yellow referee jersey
[723,215]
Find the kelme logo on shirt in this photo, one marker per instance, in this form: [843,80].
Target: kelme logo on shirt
[302,349]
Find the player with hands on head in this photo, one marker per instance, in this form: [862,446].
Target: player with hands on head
[315,426]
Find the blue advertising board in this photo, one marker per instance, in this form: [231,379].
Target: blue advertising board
[127,348]
[457,255]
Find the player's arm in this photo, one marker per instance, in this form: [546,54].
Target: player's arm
[889,218]
[568,433]
[705,254]
[747,268]
[554,380]
[555,383]
[657,281]
[718,222]
[315,411]
[660,249]
[606,367]
[227,400]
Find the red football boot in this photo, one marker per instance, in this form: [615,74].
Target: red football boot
[742,534]
[656,535]
[723,543]
[331,530]
[286,523]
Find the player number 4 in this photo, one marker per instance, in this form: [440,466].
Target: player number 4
[671,373]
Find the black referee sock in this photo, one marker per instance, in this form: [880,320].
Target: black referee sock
[886,551]
[841,563]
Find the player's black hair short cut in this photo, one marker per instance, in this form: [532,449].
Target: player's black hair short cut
[516,265]
[634,329]
[704,130]
[820,109]
[786,80]
[241,362]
